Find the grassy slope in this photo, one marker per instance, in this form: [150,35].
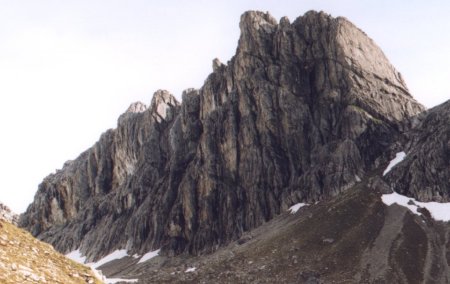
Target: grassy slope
[24,259]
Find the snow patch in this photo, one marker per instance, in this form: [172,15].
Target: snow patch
[191,269]
[398,159]
[399,199]
[358,179]
[76,256]
[296,207]
[118,254]
[439,211]
[149,255]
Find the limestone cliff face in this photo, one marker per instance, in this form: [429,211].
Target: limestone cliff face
[300,113]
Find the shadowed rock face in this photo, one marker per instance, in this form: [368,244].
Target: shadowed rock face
[425,172]
[300,113]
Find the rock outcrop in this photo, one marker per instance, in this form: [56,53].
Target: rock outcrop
[425,171]
[7,215]
[302,112]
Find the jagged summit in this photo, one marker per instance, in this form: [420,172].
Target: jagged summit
[256,20]
[301,113]
[216,65]
[162,104]
[133,109]
[136,107]
[337,41]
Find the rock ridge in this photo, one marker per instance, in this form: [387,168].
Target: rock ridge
[299,114]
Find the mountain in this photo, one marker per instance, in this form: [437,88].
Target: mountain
[24,259]
[309,111]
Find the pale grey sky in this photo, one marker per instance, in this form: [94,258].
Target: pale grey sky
[68,69]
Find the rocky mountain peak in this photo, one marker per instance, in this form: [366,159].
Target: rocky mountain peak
[136,107]
[162,104]
[255,27]
[256,21]
[316,38]
[132,110]
[359,51]
[216,64]
[301,113]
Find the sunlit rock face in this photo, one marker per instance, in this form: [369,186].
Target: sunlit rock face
[302,112]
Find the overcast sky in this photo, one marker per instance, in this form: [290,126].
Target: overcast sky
[68,69]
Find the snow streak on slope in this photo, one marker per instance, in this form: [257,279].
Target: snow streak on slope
[398,158]
[118,254]
[296,207]
[148,256]
[76,256]
[439,211]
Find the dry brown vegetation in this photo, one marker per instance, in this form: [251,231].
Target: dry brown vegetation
[24,259]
